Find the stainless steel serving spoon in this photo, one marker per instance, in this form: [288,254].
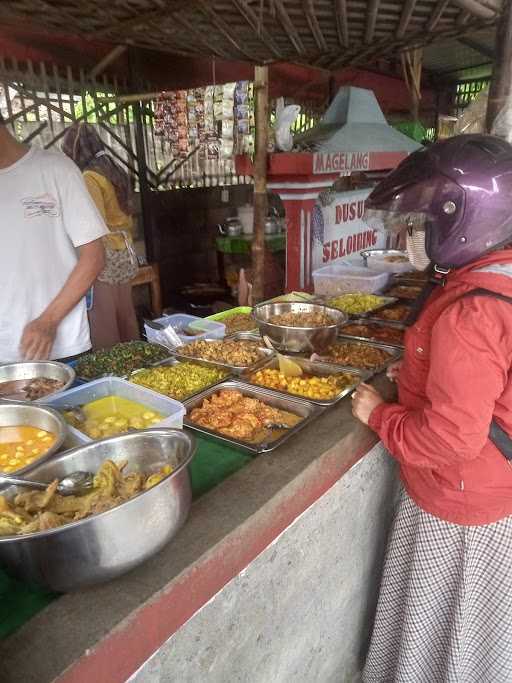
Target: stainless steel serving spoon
[73,484]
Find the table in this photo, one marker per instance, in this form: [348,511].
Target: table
[150,275]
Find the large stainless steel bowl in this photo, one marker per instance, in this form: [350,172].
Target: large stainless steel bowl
[103,546]
[31,415]
[12,372]
[298,339]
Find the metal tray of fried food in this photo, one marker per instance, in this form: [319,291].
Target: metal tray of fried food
[394,290]
[394,352]
[233,369]
[316,368]
[374,323]
[175,361]
[306,410]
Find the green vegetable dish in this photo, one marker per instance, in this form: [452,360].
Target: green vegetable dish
[120,360]
[179,381]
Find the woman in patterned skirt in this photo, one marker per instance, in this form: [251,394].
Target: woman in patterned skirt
[112,315]
[445,608]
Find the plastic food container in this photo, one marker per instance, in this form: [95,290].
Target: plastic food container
[173,411]
[223,315]
[336,279]
[178,321]
[379,260]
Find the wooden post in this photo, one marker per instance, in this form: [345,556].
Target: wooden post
[144,188]
[261,119]
[411,68]
[500,86]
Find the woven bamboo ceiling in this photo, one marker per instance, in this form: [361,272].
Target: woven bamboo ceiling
[326,33]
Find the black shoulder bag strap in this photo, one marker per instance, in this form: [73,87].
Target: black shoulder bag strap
[497,435]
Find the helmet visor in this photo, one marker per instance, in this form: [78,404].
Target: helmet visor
[395,222]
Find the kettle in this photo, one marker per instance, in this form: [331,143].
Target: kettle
[272,223]
[232,227]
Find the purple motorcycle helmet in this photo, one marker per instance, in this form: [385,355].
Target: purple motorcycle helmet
[459,191]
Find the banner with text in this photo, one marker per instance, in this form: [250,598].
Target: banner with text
[338,230]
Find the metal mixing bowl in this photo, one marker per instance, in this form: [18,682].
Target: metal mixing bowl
[10,372]
[103,546]
[298,339]
[31,415]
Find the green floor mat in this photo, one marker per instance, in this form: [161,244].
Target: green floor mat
[213,463]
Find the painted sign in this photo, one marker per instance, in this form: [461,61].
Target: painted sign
[338,230]
[341,161]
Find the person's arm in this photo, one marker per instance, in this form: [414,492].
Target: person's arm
[470,359]
[39,335]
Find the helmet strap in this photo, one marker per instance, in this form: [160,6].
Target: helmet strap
[439,275]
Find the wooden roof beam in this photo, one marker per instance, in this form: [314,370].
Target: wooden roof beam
[482,10]
[340,9]
[224,28]
[314,26]
[141,19]
[436,15]
[200,37]
[251,18]
[371,20]
[289,28]
[114,54]
[405,18]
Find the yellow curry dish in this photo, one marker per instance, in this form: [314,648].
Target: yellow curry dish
[22,445]
[34,511]
[113,415]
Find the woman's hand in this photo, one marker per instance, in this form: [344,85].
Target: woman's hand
[364,401]
[393,371]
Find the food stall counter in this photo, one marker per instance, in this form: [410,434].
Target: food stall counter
[111,631]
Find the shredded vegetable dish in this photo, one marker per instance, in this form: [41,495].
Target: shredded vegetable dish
[41,510]
[356,303]
[120,360]
[179,381]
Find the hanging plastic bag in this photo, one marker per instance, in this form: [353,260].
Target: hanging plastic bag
[285,118]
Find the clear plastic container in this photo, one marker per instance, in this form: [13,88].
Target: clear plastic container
[338,279]
[206,329]
[173,411]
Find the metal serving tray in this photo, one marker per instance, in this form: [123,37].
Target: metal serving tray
[252,335]
[402,298]
[175,361]
[314,368]
[376,323]
[233,369]
[308,411]
[154,364]
[394,354]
